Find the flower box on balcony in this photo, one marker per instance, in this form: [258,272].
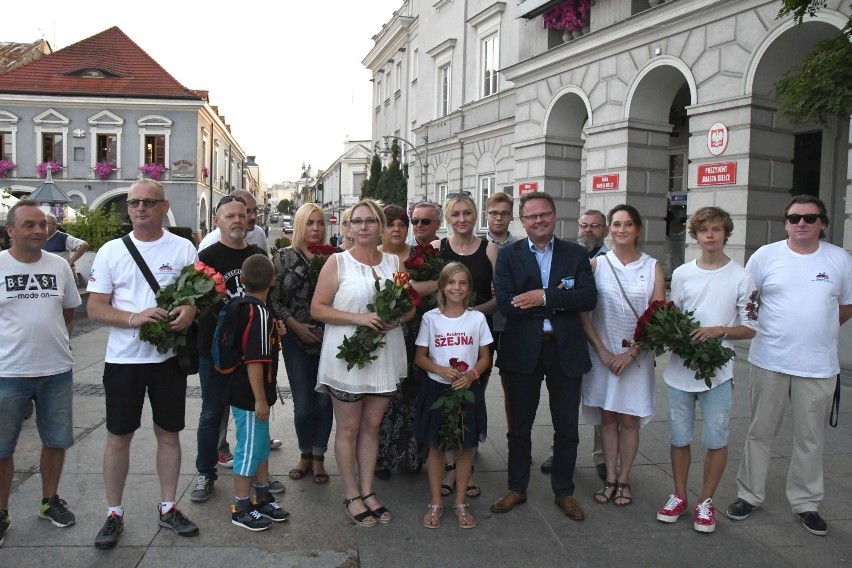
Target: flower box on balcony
[103,170]
[54,167]
[6,166]
[153,171]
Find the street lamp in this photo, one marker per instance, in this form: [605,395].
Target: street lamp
[385,151]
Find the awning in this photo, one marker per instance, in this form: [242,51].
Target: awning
[532,8]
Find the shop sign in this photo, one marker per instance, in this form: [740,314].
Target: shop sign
[528,187]
[723,173]
[604,181]
[182,169]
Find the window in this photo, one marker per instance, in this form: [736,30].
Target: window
[444,90]
[413,64]
[378,91]
[155,149]
[388,83]
[52,147]
[106,149]
[486,188]
[441,194]
[398,85]
[8,130]
[6,146]
[490,62]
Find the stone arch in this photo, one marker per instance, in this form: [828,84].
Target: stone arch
[111,194]
[203,211]
[564,117]
[658,81]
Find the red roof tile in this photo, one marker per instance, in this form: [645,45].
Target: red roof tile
[129,71]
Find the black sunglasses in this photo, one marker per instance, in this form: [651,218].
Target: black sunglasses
[425,222]
[458,194]
[810,218]
[228,198]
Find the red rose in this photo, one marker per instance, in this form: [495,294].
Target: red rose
[462,366]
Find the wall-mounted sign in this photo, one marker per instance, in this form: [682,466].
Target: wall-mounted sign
[723,173]
[528,187]
[183,169]
[604,181]
[717,138]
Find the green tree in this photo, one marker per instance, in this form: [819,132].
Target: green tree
[285,206]
[369,187]
[393,184]
[821,86]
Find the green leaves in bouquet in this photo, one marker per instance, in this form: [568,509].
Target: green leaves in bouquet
[360,348]
[452,405]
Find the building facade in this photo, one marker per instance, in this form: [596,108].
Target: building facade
[338,187]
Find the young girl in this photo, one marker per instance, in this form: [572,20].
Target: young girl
[454,330]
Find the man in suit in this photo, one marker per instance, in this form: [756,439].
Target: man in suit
[542,284]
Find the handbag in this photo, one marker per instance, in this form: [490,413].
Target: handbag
[187,355]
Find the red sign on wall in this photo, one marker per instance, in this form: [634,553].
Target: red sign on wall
[723,173]
[605,181]
[528,187]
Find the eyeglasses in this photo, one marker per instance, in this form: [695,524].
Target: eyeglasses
[229,198]
[541,216]
[592,226]
[499,214]
[148,203]
[369,222]
[425,222]
[458,194]
[810,218]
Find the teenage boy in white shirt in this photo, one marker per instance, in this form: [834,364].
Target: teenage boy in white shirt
[723,297]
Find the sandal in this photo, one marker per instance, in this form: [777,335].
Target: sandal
[320,478]
[447,488]
[619,494]
[601,497]
[365,519]
[473,489]
[298,473]
[432,519]
[381,513]
[466,520]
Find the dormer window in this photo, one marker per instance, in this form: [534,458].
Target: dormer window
[93,73]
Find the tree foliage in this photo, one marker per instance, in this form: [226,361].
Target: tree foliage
[388,185]
[371,183]
[821,86]
[285,206]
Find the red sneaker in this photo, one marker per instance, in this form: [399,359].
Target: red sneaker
[705,517]
[672,510]
[226,460]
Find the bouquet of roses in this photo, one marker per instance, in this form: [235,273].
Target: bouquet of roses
[280,243]
[198,285]
[452,403]
[321,254]
[394,300]
[665,327]
[426,264]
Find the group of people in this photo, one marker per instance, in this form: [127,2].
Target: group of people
[551,311]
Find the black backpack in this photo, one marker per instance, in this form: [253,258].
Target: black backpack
[228,344]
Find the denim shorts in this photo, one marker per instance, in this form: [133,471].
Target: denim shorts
[715,413]
[53,396]
[252,447]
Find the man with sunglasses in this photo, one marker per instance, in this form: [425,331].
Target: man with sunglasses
[426,220]
[805,288]
[255,235]
[120,297]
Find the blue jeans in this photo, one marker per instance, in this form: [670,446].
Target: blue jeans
[312,412]
[53,397]
[214,406]
[715,411]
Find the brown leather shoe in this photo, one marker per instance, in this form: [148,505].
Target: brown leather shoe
[508,501]
[570,507]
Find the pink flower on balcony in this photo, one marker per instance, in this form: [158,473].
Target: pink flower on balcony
[6,166]
[54,167]
[152,171]
[103,170]
[569,15]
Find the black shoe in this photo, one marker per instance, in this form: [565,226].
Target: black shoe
[249,518]
[547,465]
[5,523]
[178,522]
[739,510]
[813,523]
[270,509]
[108,537]
[601,469]
[203,488]
[56,511]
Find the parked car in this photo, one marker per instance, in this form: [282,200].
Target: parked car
[273,218]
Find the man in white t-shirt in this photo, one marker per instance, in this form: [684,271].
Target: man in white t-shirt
[39,294]
[805,288]
[254,236]
[121,297]
[722,297]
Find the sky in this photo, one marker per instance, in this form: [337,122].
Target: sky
[286,74]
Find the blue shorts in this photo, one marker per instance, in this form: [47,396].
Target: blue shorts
[715,413]
[53,397]
[252,447]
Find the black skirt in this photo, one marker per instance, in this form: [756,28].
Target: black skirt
[427,422]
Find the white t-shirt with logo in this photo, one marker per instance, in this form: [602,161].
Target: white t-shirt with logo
[800,299]
[724,296]
[115,272]
[33,338]
[256,236]
[449,338]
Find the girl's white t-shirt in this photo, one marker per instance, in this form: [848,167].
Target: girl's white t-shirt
[448,338]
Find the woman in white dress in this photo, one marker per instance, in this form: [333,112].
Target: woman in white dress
[618,393]
[359,396]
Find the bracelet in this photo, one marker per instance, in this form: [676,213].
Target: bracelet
[130,319]
[724,332]
[475,373]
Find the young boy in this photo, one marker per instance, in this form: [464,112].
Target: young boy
[724,298]
[252,392]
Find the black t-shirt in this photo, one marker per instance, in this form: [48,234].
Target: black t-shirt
[229,263]
[259,344]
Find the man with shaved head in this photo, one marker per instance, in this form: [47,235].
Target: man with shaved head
[254,235]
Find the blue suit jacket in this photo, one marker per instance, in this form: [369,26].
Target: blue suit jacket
[517,272]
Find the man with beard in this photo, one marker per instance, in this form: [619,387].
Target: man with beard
[227,257]
[592,230]
[254,235]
